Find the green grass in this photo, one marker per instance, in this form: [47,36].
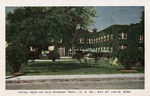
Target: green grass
[68,67]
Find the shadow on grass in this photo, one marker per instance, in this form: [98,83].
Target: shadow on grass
[53,67]
[68,68]
[14,76]
[59,65]
[25,73]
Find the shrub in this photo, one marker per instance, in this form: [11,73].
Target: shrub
[140,64]
[53,55]
[78,56]
[141,60]
[128,58]
[16,56]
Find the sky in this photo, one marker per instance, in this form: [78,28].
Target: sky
[110,15]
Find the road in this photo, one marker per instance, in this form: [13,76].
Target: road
[108,84]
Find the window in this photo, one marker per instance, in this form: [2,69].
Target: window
[107,48]
[87,40]
[98,49]
[107,37]
[122,35]
[104,38]
[101,39]
[111,49]
[94,40]
[104,48]
[81,49]
[90,41]
[81,40]
[141,39]
[122,46]
[141,48]
[97,40]
[70,52]
[111,36]
[60,41]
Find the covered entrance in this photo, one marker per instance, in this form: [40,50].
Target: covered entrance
[61,51]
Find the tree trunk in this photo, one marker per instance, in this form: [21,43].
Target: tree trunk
[74,40]
[73,48]
[16,67]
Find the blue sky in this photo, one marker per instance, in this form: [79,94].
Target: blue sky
[110,15]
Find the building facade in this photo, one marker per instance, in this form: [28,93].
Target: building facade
[120,37]
[113,38]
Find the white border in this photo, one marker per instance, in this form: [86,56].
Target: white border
[3,3]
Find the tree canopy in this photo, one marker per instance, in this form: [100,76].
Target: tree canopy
[42,25]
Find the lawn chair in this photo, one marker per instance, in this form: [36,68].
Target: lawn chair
[114,61]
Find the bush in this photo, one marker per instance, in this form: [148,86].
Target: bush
[16,56]
[141,59]
[78,56]
[53,55]
[128,58]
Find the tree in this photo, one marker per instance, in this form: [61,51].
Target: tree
[78,18]
[130,56]
[16,55]
[30,26]
[142,19]
[52,22]
[43,26]
[142,23]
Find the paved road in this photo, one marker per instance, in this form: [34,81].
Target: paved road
[108,81]
[116,84]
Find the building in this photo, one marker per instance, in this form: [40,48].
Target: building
[84,40]
[113,38]
[120,37]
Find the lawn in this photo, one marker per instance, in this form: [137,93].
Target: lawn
[68,67]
